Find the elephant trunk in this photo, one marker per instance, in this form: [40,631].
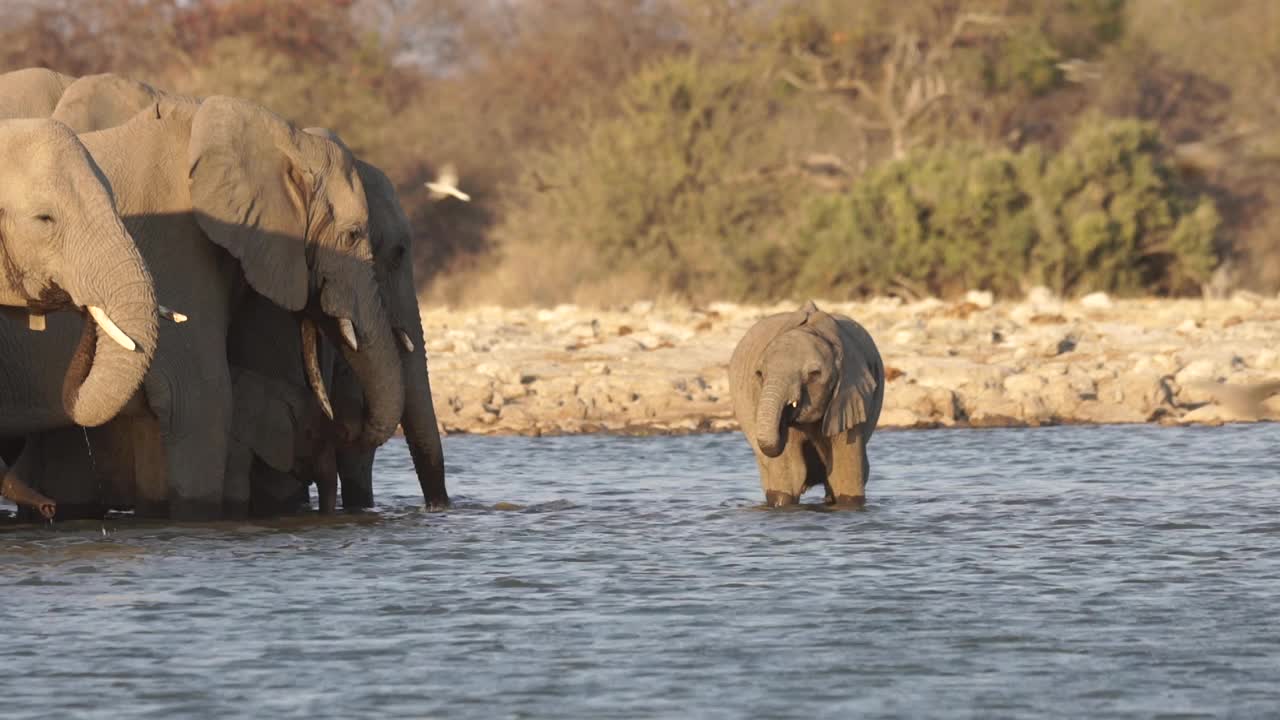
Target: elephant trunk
[770,437]
[421,431]
[375,361]
[109,278]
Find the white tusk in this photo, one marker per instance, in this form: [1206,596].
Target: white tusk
[35,321]
[110,328]
[168,314]
[405,342]
[348,334]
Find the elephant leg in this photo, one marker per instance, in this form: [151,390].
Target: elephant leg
[783,477]
[849,470]
[150,468]
[193,406]
[324,469]
[60,464]
[355,467]
[275,492]
[240,471]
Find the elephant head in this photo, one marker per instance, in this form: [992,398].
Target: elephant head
[63,246]
[97,102]
[392,237]
[31,92]
[813,372]
[290,207]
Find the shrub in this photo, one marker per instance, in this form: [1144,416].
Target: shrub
[672,194]
[1106,213]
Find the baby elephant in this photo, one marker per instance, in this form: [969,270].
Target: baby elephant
[807,388]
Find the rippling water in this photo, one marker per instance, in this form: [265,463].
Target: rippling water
[1084,572]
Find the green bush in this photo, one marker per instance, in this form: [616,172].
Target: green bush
[1106,213]
[673,194]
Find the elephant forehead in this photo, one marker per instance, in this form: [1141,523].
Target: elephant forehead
[38,143]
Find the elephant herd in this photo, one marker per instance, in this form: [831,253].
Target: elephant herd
[244,321]
[207,309]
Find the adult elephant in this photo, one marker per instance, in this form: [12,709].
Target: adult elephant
[64,247]
[107,100]
[223,198]
[807,387]
[281,431]
[31,92]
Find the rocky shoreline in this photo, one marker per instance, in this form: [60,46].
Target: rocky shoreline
[661,368]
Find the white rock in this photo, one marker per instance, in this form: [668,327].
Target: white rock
[1195,370]
[1096,301]
[981,298]
[1041,295]
[1188,325]
[1024,384]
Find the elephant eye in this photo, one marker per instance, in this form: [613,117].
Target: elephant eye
[45,218]
[351,238]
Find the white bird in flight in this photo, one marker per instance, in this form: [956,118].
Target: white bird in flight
[446,184]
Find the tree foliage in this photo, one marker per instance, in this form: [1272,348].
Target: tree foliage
[750,148]
[1105,213]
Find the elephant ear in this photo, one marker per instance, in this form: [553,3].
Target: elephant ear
[263,419]
[858,376]
[250,194]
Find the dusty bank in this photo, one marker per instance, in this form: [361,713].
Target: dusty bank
[662,368]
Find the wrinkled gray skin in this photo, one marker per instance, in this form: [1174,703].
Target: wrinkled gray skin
[807,388]
[31,92]
[224,198]
[63,247]
[283,443]
[59,230]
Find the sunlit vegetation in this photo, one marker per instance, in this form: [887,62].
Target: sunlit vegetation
[759,149]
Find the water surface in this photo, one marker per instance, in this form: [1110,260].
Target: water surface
[1078,571]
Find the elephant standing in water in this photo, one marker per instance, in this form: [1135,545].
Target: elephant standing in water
[281,442]
[64,247]
[284,437]
[224,198]
[807,387]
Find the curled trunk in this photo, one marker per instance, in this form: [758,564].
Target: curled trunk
[107,271]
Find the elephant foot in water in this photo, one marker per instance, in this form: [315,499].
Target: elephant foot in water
[847,501]
[777,498]
[22,494]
